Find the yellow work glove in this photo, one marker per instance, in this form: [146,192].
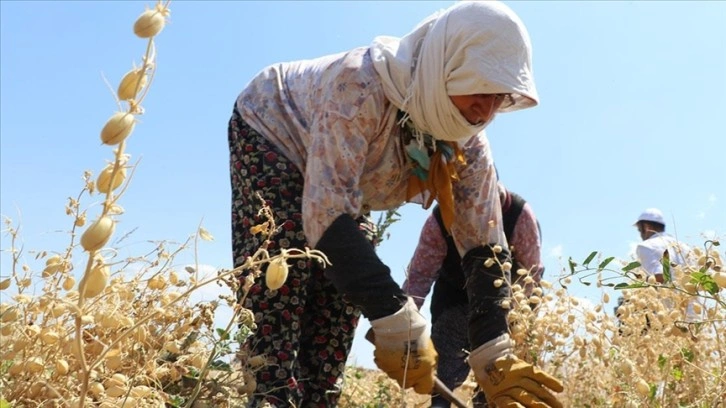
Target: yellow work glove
[404,349]
[509,382]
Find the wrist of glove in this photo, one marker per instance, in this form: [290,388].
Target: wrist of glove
[404,349]
[510,382]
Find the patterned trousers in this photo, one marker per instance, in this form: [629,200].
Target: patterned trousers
[305,328]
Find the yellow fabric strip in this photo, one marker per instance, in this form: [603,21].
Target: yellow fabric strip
[438,184]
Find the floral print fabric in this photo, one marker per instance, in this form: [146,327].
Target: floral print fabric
[330,117]
[305,328]
[429,255]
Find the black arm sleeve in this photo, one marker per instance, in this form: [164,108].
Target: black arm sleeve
[357,272]
[487,319]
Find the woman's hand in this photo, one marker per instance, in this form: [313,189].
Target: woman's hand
[509,382]
[404,349]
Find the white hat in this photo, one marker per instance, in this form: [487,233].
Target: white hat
[652,215]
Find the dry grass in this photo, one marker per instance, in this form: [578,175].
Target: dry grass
[656,354]
[126,335]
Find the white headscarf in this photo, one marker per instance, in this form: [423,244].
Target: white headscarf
[473,47]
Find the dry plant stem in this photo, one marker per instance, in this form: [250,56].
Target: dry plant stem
[405,368]
[720,350]
[15,252]
[125,186]
[167,263]
[645,284]
[210,359]
[108,203]
[250,263]
[79,328]
[168,257]
[110,197]
[260,257]
[196,253]
[134,107]
[150,55]
[77,214]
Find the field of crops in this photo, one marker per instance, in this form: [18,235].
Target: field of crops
[126,334]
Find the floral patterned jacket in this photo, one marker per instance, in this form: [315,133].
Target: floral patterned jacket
[428,257]
[331,118]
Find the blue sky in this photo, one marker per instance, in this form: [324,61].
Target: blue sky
[631,116]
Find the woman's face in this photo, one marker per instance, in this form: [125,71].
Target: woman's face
[479,108]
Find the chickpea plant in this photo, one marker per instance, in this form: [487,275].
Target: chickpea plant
[663,345]
[125,335]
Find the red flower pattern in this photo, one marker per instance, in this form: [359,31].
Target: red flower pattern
[282,328]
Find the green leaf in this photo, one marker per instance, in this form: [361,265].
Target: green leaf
[533,357]
[225,350]
[711,287]
[572,264]
[605,262]
[662,361]
[193,372]
[176,401]
[636,285]
[687,354]
[4,404]
[631,266]
[589,258]
[706,281]
[699,277]
[221,365]
[244,332]
[677,373]
[651,394]
[666,270]
[223,334]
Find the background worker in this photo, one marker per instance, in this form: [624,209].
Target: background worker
[436,261]
[657,245]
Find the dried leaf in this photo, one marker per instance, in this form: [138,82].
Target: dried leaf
[205,235]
